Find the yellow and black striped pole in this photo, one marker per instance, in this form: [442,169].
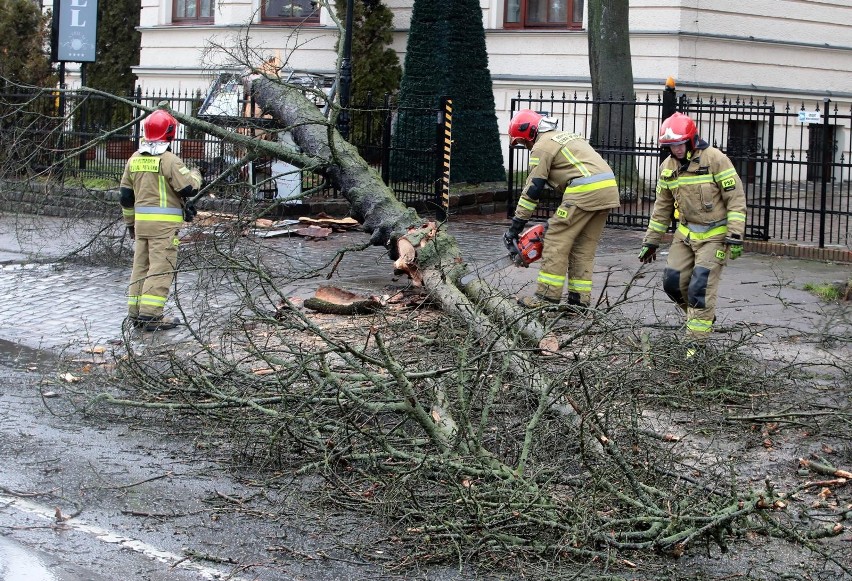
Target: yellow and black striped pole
[444,210]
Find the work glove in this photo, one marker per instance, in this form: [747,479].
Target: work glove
[131,231]
[189,212]
[648,253]
[734,244]
[510,238]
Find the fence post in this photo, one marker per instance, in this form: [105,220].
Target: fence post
[770,145]
[81,161]
[62,106]
[386,141]
[511,201]
[137,129]
[669,109]
[445,134]
[827,150]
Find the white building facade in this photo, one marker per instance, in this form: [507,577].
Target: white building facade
[759,47]
[780,49]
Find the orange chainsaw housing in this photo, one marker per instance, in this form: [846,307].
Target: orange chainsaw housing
[530,244]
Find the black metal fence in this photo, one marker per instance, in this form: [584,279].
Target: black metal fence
[54,124]
[795,160]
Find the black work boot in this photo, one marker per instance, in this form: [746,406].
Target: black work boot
[158,323]
[693,350]
[134,322]
[574,305]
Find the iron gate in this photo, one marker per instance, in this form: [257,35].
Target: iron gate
[57,127]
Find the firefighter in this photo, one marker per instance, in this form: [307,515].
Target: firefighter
[698,187]
[153,192]
[567,163]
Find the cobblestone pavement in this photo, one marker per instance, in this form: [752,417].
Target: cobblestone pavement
[52,305]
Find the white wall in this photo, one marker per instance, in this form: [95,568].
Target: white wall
[779,48]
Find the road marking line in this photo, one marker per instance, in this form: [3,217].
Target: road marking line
[103,535]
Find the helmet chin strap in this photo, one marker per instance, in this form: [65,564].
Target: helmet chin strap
[686,159]
[687,153]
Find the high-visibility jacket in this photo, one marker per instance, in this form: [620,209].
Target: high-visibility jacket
[571,167]
[155,181]
[705,195]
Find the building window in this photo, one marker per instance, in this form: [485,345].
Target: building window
[543,14]
[290,11]
[185,11]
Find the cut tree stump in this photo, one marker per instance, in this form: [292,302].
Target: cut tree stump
[335,301]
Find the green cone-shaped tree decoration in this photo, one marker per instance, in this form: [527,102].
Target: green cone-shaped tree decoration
[117,52]
[23,40]
[446,56]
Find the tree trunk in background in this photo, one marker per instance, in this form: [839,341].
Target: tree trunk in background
[613,125]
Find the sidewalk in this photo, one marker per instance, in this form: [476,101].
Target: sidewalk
[49,305]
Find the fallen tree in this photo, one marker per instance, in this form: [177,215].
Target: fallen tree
[455,424]
[510,433]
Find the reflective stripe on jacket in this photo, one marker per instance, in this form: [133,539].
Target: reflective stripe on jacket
[155,181]
[707,193]
[574,169]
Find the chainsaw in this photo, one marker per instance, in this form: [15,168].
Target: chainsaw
[529,246]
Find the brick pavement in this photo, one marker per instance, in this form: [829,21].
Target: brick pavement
[53,306]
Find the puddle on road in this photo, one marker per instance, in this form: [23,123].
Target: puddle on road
[18,563]
[40,266]
[19,356]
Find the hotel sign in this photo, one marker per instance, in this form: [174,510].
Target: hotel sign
[74,30]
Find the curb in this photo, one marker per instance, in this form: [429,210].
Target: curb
[794,250]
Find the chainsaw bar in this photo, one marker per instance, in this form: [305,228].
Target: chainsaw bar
[487,269]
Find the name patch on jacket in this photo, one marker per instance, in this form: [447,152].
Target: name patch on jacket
[566,136]
[150,164]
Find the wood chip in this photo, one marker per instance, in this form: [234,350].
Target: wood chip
[550,344]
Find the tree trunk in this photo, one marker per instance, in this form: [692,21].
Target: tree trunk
[611,69]
[423,250]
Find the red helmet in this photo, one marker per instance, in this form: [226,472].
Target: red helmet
[159,126]
[677,129]
[523,128]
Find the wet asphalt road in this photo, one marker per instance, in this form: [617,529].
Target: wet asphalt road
[109,475]
[53,458]
[45,304]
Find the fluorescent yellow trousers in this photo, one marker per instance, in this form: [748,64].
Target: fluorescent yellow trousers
[570,245]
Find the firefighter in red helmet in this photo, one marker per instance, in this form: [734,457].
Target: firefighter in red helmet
[153,192]
[567,163]
[699,187]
